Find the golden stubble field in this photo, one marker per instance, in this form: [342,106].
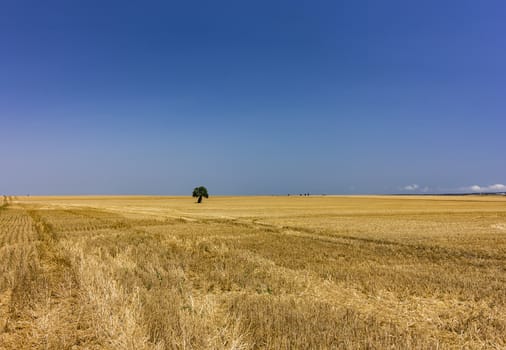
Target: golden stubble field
[253,273]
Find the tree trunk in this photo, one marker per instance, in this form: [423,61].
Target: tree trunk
[200,199]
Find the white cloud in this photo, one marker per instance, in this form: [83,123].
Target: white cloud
[412,187]
[491,188]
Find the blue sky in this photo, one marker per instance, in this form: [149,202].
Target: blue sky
[259,97]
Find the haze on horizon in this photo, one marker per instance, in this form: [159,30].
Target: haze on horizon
[252,98]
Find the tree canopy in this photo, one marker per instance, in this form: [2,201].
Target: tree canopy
[199,192]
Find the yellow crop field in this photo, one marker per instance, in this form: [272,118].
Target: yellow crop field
[358,272]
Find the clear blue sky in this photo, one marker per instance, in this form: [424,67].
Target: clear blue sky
[252,97]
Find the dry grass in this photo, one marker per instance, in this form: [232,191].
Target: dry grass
[253,272]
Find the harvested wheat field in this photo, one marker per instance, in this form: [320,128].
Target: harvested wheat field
[253,273]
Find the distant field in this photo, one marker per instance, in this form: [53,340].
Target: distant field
[253,273]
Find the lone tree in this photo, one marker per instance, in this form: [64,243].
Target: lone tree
[199,192]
